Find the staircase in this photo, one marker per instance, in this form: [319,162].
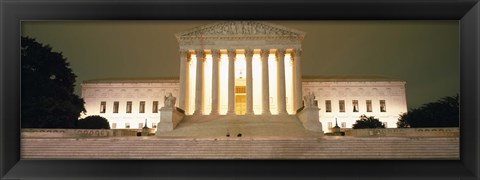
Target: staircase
[247,125]
[241,148]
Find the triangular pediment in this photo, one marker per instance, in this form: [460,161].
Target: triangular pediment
[240,29]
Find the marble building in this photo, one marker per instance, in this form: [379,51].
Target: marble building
[244,68]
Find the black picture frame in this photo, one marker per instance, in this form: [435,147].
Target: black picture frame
[13,12]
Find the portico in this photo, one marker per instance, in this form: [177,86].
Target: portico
[240,68]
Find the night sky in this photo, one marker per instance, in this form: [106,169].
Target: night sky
[423,53]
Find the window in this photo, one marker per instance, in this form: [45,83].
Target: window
[355,105]
[329,125]
[383,107]
[114,125]
[344,125]
[115,107]
[154,125]
[129,106]
[341,105]
[369,105]
[140,125]
[328,106]
[103,106]
[127,125]
[142,107]
[240,89]
[155,107]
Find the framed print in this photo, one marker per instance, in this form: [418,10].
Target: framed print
[239,125]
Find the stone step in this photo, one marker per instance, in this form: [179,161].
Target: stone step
[232,155]
[109,147]
[244,151]
[242,156]
[260,158]
[259,150]
[236,142]
[238,148]
[392,145]
[228,152]
[306,139]
[396,146]
[292,145]
[233,140]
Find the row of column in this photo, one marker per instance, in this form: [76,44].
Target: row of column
[264,53]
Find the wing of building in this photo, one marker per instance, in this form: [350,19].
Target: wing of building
[247,68]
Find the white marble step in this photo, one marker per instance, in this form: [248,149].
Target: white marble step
[343,148]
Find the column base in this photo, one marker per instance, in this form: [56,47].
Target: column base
[231,113]
[214,113]
[282,113]
[197,112]
[266,113]
[249,113]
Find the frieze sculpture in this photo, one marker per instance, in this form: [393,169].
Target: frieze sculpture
[169,101]
[240,28]
[309,99]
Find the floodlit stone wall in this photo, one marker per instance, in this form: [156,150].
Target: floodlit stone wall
[137,101]
[367,94]
[347,100]
[39,133]
[405,132]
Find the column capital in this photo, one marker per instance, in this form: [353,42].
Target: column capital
[215,51]
[248,53]
[183,53]
[297,51]
[264,52]
[200,51]
[200,54]
[231,55]
[230,51]
[281,51]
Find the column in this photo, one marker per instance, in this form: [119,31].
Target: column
[265,82]
[188,80]
[199,82]
[231,82]
[298,79]
[282,108]
[248,59]
[183,75]
[215,70]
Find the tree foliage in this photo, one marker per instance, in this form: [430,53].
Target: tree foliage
[93,122]
[368,122]
[47,88]
[442,113]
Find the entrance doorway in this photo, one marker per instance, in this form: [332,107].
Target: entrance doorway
[240,100]
[240,104]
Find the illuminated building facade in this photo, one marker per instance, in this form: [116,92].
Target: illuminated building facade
[243,68]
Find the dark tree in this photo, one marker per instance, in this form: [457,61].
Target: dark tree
[402,121]
[47,88]
[367,122]
[442,113]
[93,122]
